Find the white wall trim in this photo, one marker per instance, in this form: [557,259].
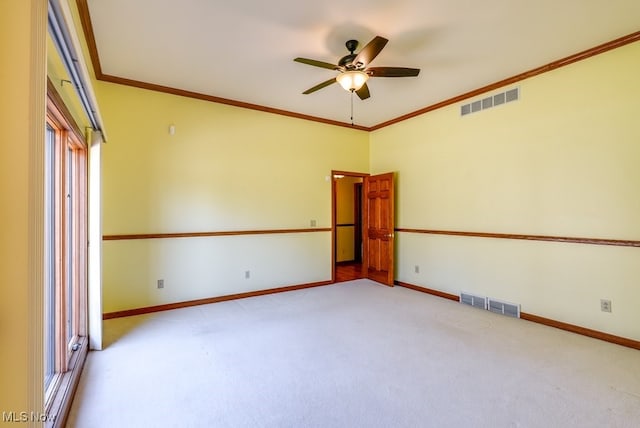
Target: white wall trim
[95,241]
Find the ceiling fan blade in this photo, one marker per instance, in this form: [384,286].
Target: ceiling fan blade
[393,71]
[317,63]
[369,52]
[320,86]
[363,92]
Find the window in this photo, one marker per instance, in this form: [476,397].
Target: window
[65,285]
[50,257]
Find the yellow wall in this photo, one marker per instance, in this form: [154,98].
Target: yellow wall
[22,70]
[563,160]
[226,168]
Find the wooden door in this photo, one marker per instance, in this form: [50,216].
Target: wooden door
[379,228]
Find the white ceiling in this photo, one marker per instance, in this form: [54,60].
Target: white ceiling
[243,50]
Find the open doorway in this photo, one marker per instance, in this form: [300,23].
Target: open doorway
[347,196]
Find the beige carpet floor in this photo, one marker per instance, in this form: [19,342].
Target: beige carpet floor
[354,354]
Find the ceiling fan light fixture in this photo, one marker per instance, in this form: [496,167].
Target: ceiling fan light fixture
[352,80]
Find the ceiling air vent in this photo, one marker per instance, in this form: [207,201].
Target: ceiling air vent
[492,101]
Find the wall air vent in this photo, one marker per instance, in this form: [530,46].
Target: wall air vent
[475,301]
[489,102]
[504,308]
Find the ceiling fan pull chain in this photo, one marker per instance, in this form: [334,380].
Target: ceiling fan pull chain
[352,107]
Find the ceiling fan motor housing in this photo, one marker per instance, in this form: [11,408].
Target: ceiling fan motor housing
[347,60]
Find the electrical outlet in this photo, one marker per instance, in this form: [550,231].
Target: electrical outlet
[605,305]
[313,223]
[247,274]
[416,269]
[161,283]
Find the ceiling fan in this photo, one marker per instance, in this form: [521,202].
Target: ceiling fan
[354,68]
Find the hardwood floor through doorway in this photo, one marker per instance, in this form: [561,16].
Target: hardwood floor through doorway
[348,271]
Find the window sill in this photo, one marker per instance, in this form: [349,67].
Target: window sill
[57,410]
